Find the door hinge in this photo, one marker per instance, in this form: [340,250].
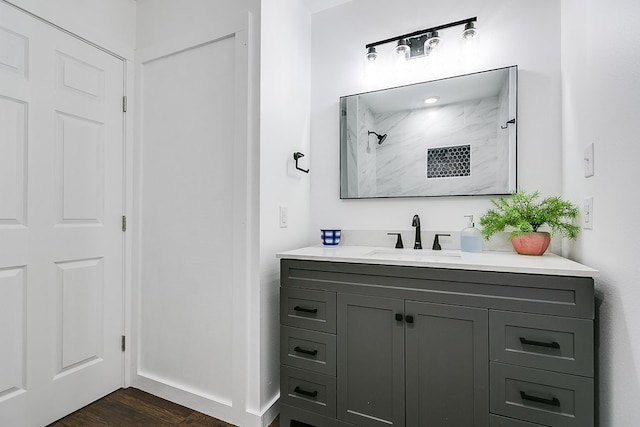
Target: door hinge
[124,223]
[123,345]
[124,104]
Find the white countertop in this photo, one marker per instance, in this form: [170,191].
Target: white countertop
[549,264]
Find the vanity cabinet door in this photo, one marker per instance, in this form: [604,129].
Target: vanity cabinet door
[370,342]
[446,362]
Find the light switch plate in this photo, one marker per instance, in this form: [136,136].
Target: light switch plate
[588,161]
[284,217]
[587,213]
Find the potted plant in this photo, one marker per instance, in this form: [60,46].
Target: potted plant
[523,215]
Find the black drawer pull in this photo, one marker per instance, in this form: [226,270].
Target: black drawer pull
[539,343]
[409,318]
[298,349]
[311,394]
[552,402]
[305,310]
[399,317]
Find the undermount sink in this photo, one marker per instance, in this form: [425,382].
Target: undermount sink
[425,255]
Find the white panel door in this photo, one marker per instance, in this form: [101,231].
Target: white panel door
[61,244]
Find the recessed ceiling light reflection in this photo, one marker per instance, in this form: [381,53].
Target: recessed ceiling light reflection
[432,100]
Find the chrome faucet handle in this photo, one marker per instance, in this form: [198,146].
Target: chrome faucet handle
[399,244]
[436,241]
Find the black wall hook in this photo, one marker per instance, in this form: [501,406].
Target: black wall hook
[510,122]
[296,156]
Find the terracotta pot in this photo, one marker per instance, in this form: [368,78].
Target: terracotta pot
[534,243]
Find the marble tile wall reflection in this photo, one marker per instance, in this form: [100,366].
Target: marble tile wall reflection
[502,148]
[367,152]
[352,126]
[401,161]
[361,149]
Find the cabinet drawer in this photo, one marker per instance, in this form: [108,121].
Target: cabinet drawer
[548,398]
[296,417]
[497,421]
[553,343]
[304,308]
[312,350]
[308,390]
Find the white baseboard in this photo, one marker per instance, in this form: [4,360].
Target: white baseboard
[207,404]
[271,412]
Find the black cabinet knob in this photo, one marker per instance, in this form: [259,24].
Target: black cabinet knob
[409,318]
[399,317]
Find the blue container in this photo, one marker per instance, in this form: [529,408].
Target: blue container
[330,237]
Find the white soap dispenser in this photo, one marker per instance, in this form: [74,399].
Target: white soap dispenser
[470,237]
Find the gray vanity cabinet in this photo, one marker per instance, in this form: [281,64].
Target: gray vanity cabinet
[383,345]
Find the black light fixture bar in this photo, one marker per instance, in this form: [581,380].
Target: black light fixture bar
[423,32]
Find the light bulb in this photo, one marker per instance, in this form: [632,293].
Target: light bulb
[469,31]
[433,41]
[402,49]
[372,54]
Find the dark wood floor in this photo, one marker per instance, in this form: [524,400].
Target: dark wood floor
[134,408]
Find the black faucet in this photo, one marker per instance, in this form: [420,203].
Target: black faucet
[416,223]
[399,244]
[436,242]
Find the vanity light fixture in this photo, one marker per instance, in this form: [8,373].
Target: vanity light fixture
[422,43]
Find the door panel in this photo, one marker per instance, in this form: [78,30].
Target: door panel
[447,368]
[13,167]
[13,52]
[370,360]
[79,77]
[79,170]
[188,242]
[80,330]
[12,329]
[61,203]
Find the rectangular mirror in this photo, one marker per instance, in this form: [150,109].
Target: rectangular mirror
[449,137]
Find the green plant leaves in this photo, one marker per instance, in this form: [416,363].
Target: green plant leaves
[523,213]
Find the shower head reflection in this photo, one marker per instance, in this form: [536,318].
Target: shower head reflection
[381,138]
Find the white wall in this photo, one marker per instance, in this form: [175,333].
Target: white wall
[169,26]
[108,23]
[523,33]
[187,281]
[160,21]
[601,99]
[284,129]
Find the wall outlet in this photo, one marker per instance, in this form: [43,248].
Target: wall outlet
[284,217]
[587,213]
[588,161]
